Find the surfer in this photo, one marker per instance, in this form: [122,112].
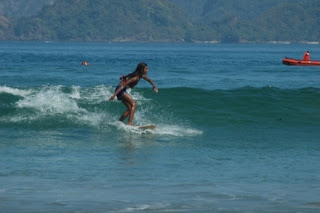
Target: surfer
[130,81]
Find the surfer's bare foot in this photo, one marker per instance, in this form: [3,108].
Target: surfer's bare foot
[130,124]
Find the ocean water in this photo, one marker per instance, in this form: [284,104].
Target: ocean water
[237,131]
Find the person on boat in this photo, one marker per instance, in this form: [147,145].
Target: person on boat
[306,56]
[130,81]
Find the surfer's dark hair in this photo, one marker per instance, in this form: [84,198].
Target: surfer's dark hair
[137,72]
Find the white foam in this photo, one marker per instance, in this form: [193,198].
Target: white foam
[50,100]
[14,91]
[19,118]
[92,119]
[176,130]
[97,95]
[75,92]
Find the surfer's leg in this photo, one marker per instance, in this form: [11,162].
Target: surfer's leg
[131,104]
[126,113]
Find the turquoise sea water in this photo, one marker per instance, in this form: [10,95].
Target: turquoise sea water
[237,131]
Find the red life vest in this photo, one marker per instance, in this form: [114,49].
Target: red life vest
[306,56]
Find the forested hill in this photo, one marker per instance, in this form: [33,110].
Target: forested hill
[209,10]
[20,8]
[112,20]
[251,20]
[162,20]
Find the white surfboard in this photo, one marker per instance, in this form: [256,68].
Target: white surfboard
[150,126]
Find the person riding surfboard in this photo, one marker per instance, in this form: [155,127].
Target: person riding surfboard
[130,81]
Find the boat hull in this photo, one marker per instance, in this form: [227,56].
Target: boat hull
[297,62]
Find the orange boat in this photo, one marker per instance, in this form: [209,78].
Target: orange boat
[297,62]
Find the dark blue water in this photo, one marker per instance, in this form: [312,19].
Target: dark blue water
[237,131]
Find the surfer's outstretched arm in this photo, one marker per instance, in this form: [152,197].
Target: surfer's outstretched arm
[155,88]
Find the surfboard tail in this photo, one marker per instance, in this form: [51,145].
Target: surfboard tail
[150,126]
